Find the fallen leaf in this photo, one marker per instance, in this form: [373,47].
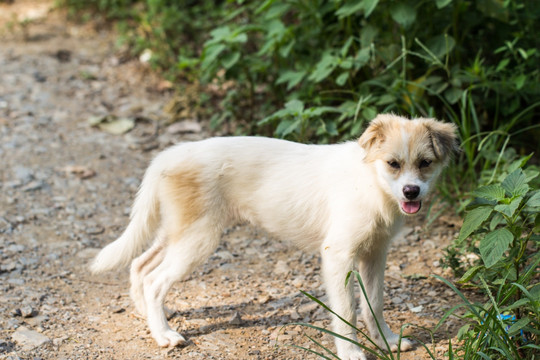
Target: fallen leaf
[82,172]
[112,124]
[186,126]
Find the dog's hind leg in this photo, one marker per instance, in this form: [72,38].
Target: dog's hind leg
[371,269]
[181,255]
[142,266]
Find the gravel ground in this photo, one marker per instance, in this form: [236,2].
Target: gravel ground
[66,188]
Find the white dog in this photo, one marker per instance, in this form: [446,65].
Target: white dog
[346,200]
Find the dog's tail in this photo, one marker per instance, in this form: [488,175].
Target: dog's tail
[144,220]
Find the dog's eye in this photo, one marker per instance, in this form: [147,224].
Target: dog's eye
[394,164]
[424,164]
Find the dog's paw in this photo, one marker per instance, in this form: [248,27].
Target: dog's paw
[355,354]
[393,341]
[170,338]
[349,351]
[404,345]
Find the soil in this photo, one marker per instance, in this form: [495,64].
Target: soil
[66,191]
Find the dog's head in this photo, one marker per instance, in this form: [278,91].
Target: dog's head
[408,155]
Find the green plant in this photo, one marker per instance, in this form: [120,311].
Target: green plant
[501,227]
[383,353]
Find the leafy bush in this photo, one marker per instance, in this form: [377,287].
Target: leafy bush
[502,228]
[320,69]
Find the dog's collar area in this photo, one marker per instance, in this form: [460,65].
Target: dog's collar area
[411,207]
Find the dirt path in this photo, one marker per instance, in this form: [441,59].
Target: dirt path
[66,188]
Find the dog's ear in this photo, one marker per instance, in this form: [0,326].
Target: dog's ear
[443,138]
[375,132]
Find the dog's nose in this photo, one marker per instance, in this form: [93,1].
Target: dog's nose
[411,191]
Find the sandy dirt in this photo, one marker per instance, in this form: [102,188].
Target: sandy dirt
[66,190]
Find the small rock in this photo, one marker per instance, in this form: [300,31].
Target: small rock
[23,174]
[60,340]
[10,266]
[29,339]
[307,308]
[236,319]
[397,300]
[16,281]
[37,320]
[281,268]
[415,309]
[95,230]
[117,309]
[16,248]
[186,126]
[33,186]
[88,253]
[28,311]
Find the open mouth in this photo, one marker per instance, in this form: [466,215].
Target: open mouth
[411,207]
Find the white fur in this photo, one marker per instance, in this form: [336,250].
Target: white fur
[323,197]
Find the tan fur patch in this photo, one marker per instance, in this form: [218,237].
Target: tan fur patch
[182,201]
[408,142]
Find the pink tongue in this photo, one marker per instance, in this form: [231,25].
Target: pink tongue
[411,207]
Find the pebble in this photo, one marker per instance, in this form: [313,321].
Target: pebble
[117,309]
[29,339]
[23,174]
[186,126]
[28,311]
[281,268]
[236,319]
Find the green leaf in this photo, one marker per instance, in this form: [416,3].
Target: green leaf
[493,246]
[519,81]
[230,59]
[295,107]
[210,54]
[509,209]
[345,48]
[469,274]
[403,13]
[369,6]
[495,221]
[519,303]
[342,79]
[362,57]
[502,64]
[516,183]
[531,174]
[324,67]
[453,94]
[352,7]
[518,325]
[441,45]
[535,292]
[519,163]
[442,3]
[286,127]
[349,8]
[534,200]
[473,220]
[490,192]
[220,33]
[292,78]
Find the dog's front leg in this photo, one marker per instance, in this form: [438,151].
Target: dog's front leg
[371,269]
[336,264]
